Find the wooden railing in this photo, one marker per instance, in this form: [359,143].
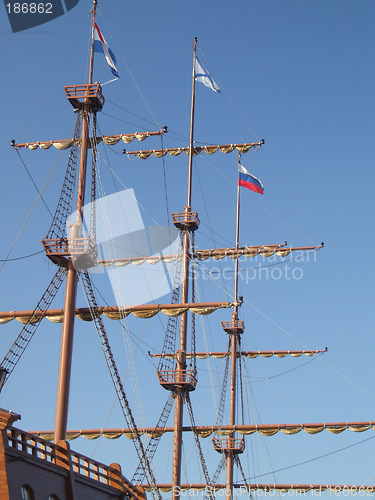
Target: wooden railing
[236,445]
[236,326]
[71,246]
[83,251]
[61,456]
[184,220]
[170,378]
[78,94]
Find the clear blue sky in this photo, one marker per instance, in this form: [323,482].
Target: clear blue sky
[299,74]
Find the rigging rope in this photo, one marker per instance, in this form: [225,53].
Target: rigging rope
[240,377]
[203,327]
[24,257]
[130,112]
[118,291]
[34,184]
[125,407]
[232,103]
[92,234]
[19,346]
[169,346]
[119,51]
[219,469]
[253,200]
[165,183]
[65,204]
[193,348]
[137,127]
[152,445]
[256,418]
[26,220]
[203,198]
[220,413]
[198,444]
[239,465]
[313,459]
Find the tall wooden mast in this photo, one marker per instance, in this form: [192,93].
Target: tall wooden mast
[231,446]
[187,222]
[86,105]
[235,339]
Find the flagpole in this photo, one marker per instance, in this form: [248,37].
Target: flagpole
[91,70]
[191,143]
[237,236]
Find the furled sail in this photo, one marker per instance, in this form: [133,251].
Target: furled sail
[196,150]
[224,430]
[266,251]
[246,354]
[110,140]
[116,312]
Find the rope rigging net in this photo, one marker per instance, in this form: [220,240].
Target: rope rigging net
[169,346]
[139,475]
[65,203]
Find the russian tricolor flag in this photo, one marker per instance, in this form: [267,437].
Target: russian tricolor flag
[249,181]
[100,45]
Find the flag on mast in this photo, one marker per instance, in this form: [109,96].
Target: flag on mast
[245,179]
[100,45]
[203,76]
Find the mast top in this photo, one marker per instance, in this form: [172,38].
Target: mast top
[92,42]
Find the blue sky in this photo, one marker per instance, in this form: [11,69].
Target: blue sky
[298,74]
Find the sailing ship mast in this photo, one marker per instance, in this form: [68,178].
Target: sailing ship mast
[89,107]
[235,329]
[185,380]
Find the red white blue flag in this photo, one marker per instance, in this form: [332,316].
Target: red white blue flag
[100,45]
[249,181]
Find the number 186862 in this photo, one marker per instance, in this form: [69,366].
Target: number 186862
[29,8]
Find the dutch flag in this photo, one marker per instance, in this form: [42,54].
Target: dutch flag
[100,45]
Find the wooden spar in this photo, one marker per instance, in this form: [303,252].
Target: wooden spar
[71,281]
[210,149]
[265,429]
[181,355]
[82,311]
[251,251]
[44,144]
[250,354]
